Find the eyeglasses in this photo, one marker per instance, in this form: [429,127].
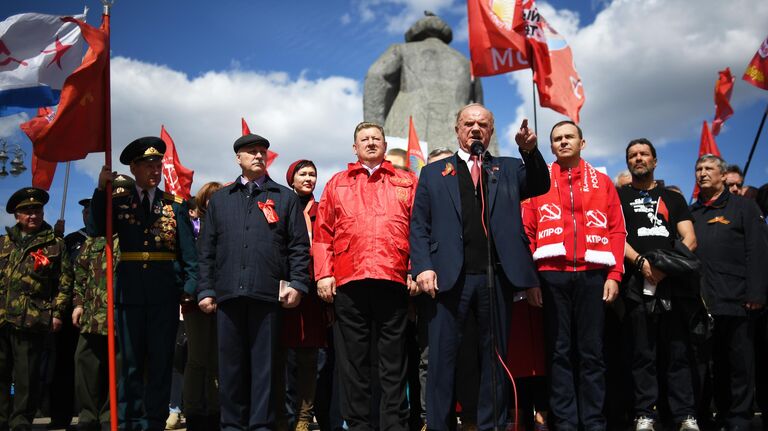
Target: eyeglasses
[646,196]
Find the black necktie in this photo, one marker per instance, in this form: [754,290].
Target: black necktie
[145,204]
[251,186]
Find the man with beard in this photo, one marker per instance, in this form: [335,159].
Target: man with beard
[654,218]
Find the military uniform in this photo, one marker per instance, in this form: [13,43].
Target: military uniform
[61,391]
[91,356]
[158,259]
[35,287]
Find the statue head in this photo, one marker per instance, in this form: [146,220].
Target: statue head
[429,26]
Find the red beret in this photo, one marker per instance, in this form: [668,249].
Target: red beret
[292,171]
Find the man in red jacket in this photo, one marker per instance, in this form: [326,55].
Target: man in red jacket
[360,252]
[577,238]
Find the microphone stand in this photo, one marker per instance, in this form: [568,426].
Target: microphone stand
[491,275]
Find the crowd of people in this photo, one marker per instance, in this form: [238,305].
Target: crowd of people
[395,302]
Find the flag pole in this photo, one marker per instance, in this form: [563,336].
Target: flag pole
[754,144]
[535,120]
[109,241]
[64,195]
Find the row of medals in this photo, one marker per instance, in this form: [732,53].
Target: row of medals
[167,224]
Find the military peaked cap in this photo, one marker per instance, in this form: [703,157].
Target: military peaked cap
[148,147]
[26,197]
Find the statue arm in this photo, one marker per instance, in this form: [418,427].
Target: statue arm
[382,84]
[477,91]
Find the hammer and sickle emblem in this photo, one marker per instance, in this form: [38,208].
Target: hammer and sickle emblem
[596,218]
[549,212]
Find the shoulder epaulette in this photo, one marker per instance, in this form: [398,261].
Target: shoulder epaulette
[170,197]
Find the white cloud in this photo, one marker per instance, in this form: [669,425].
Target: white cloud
[649,67]
[302,118]
[345,19]
[6,220]
[399,15]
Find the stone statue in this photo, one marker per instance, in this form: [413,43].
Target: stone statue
[424,78]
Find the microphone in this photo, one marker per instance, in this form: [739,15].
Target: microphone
[477,149]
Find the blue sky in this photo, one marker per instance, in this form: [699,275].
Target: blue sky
[295,70]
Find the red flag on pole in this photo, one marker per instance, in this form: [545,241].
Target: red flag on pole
[723,90]
[757,69]
[707,146]
[271,155]
[496,41]
[536,39]
[415,159]
[178,179]
[78,127]
[42,170]
[562,89]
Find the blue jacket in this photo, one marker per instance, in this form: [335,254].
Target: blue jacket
[436,223]
[241,255]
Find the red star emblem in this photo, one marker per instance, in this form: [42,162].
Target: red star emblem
[5,51]
[60,50]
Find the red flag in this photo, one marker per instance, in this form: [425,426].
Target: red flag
[723,90]
[178,179]
[271,155]
[562,90]
[707,146]
[415,157]
[536,38]
[496,41]
[662,210]
[42,171]
[758,67]
[79,126]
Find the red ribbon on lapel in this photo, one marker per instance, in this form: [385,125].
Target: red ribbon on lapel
[40,259]
[268,208]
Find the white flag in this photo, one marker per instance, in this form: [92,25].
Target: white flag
[37,53]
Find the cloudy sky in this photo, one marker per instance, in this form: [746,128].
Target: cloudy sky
[295,71]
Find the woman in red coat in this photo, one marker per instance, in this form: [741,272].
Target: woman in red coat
[304,328]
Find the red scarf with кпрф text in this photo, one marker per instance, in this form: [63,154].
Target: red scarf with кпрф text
[594,196]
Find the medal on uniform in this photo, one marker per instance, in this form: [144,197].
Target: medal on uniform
[268,208]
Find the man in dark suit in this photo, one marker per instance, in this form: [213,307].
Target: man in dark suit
[157,259]
[252,238]
[733,248]
[449,256]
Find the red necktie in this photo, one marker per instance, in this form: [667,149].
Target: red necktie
[475,172]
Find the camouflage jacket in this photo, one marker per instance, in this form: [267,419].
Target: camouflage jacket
[91,284]
[35,279]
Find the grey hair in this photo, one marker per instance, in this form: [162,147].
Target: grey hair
[718,160]
[624,173]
